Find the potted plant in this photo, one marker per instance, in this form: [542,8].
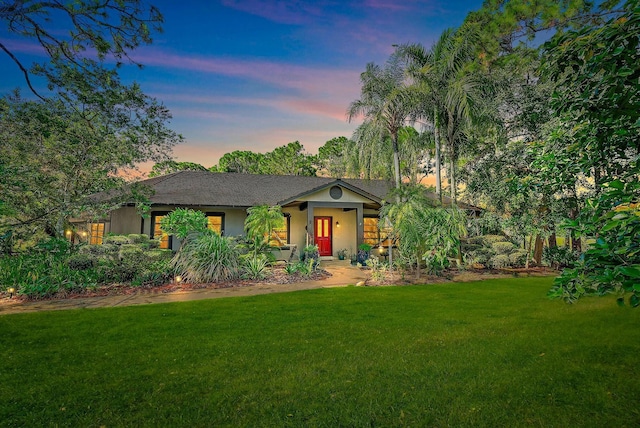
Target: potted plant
[342,254]
[363,253]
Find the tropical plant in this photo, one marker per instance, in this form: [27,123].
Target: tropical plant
[311,254]
[182,222]
[386,104]
[255,267]
[449,89]
[261,222]
[208,257]
[424,232]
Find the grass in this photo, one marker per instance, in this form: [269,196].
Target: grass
[492,353]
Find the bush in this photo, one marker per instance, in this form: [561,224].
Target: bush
[182,222]
[115,240]
[208,257]
[518,258]
[138,238]
[559,257]
[503,247]
[81,261]
[311,252]
[481,256]
[490,239]
[499,261]
[256,267]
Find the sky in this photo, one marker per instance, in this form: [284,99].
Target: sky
[258,74]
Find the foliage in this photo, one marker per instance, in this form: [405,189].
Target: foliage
[261,221]
[333,158]
[170,166]
[424,232]
[310,256]
[559,257]
[386,104]
[499,261]
[503,247]
[598,99]
[342,253]
[378,269]
[255,267]
[208,257]
[81,261]
[518,258]
[78,37]
[183,221]
[289,159]
[612,263]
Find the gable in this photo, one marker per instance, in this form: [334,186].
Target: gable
[336,193]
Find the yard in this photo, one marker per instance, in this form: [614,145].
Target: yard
[490,353]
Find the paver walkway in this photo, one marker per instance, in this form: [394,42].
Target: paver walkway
[342,274]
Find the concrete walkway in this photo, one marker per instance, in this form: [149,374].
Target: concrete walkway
[342,272]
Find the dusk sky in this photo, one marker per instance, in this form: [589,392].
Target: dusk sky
[257,74]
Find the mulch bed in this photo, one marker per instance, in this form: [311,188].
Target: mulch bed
[277,276]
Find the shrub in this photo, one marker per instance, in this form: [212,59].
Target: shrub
[182,222]
[503,247]
[138,238]
[310,252]
[481,255]
[490,239]
[378,269]
[81,261]
[100,250]
[208,257]
[518,258]
[256,267]
[499,261]
[115,240]
[559,257]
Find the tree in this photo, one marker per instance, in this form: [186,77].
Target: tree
[333,157]
[289,159]
[598,100]
[424,232]
[385,103]
[108,29]
[241,161]
[169,166]
[56,157]
[448,87]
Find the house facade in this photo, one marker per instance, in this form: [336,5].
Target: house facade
[331,213]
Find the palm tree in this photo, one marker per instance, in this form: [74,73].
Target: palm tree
[448,90]
[385,104]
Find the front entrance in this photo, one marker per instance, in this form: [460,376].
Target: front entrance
[322,234]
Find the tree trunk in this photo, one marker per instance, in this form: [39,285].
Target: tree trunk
[552,240]
[537,252]
[436,136]
[396,159]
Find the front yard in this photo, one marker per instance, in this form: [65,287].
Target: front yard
[490,353]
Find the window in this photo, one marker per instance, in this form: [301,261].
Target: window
[372,233]
[96,231]
[215,222]
[157,231]
[281,233]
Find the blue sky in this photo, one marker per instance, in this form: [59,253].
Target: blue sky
[257,74]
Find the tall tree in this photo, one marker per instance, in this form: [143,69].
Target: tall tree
[167,167]
[333,157]
[448,86]
[385,103]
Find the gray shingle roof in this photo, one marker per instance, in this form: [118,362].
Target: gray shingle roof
[204,188]
[246,190]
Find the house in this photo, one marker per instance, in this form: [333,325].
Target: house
[331,213]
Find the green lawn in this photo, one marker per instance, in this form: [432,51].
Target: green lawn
[492,353]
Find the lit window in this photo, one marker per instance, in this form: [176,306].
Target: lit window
[97,232]
[372,233]
[157,231]
[215,222]
[280,236]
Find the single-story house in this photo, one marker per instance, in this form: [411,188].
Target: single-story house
[332,213]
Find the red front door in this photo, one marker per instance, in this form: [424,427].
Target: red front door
[322,233]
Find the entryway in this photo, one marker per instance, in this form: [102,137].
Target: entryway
[323,235]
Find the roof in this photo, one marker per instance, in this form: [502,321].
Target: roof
[205,188]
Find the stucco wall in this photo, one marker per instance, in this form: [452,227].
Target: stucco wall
[125,220]
[324,196]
